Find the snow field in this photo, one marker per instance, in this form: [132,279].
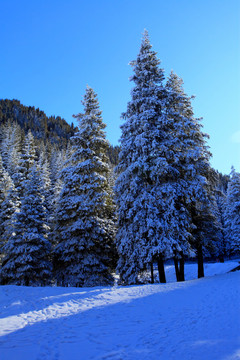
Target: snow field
[196,319]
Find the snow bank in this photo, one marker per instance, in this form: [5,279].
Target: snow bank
[197,319]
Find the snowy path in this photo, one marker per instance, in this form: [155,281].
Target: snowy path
[197,319]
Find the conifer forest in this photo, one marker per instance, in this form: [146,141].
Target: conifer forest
[75,211]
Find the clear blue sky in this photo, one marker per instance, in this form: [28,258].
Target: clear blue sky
[51,49]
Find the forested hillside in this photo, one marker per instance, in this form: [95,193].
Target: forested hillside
[47,130]
[54,129]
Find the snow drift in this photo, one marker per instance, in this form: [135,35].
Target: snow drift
[196,319]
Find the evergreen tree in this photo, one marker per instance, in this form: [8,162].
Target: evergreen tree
[5,182]
[163,173]
[8,208]
[28,154]
[221,199]
[141,192]
[57,163]
[26,162]
[193,176]
[27,252]
[10,146]
[232,215]
[5,185]
[217,232]
[45,183]
[84,215]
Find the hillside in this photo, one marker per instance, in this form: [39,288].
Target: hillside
[54,129]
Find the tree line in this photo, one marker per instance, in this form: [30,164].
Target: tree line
[70,216]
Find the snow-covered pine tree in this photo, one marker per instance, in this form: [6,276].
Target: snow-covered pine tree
[5,182]
[27,253]
[5,185]
[28,153]
[232,215]
[84,216]
[8,207]
[194,174]
[26,162]
[217,231]
[6,132]
[221,198]
[11,146]
[142,192]
[45,182]
[57,161]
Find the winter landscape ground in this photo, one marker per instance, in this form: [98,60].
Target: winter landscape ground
[196,319]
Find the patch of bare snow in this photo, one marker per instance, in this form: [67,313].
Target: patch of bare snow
[195,319]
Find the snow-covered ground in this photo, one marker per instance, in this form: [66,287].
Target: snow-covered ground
[197,319]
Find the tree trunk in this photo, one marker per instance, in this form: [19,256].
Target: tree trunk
[176,268]
[152,274]
[200,262]
[161,271]
[181,271]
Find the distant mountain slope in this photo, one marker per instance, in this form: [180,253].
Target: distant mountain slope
[53,129]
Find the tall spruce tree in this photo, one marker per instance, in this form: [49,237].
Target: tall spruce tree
[5,182]
[83,218]
[8,208]
[11,146]
[5,186]
[192,177]
[26,162]
[27,253]
[28,154]
[163,184]
[142,193]
[232,215]
[45,182]
[195,176]
[221,198]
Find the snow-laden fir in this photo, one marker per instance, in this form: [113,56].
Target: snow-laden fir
[232,214]
[26,258]
[164,188]
[83,231]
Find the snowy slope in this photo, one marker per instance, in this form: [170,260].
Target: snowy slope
[197,319]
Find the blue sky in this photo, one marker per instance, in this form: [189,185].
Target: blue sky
[50,51]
